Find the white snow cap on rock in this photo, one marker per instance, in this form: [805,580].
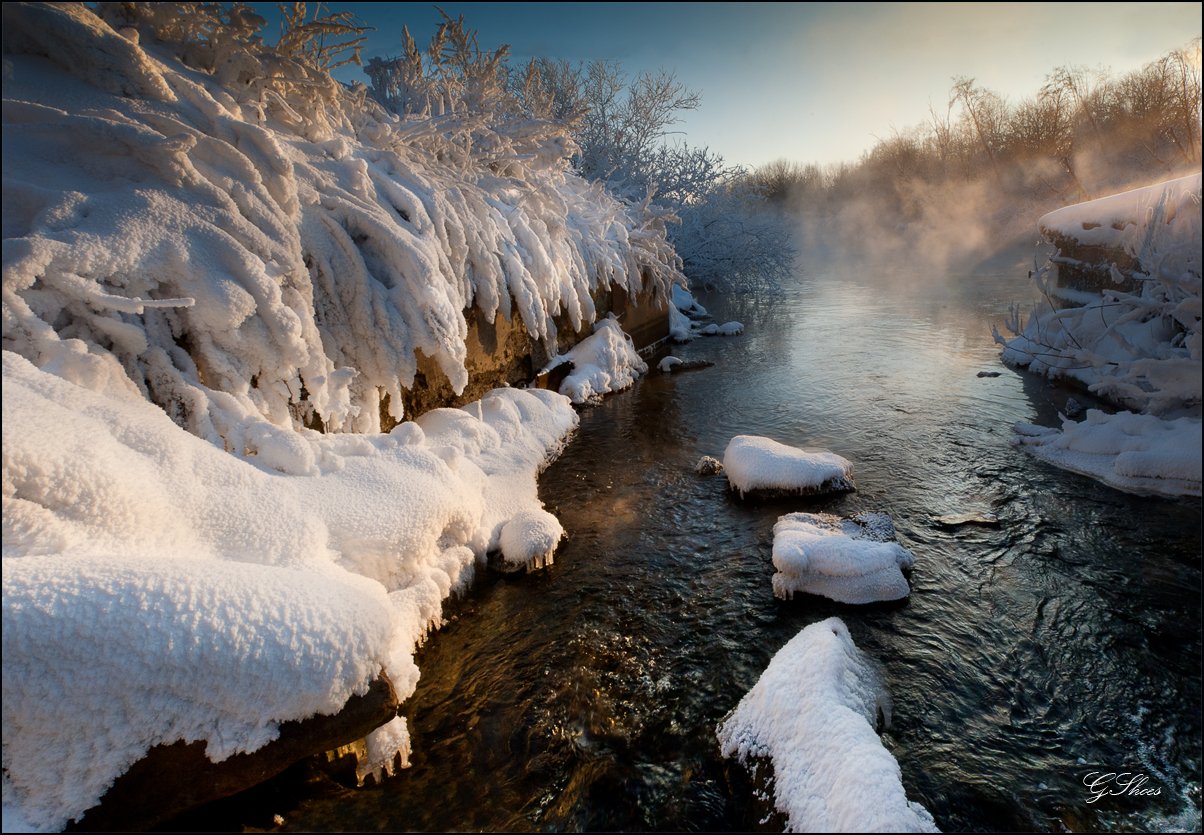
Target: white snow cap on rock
[754,463]
[812,714]
[604,362]
[684,301]
[530,538]
[850,561]
[1131,452]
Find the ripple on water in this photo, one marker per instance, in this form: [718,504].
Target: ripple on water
[586,697]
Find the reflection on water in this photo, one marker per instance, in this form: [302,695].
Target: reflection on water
[586,696]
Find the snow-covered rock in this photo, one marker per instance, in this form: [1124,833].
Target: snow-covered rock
[757,464]
[853,560]
[1131,452]
[529,539]
[605,361]
[812,714]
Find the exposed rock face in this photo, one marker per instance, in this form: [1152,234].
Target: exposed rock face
[1089,267]
[172,779]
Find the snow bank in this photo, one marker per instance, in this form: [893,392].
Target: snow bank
[753,463]
[1140,349]
[853,560]
[227,246]
[157,588]
[209,246]
[812,714]
[604,362]
[1131,452]
[1117,221]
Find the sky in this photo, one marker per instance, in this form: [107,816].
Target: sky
[808,82]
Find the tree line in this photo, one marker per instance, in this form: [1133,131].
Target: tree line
[1084,134]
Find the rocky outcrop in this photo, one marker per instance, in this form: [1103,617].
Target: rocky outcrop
[171,779]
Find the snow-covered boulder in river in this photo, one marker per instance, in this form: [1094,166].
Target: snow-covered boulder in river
[760,465]
[812,714]
[854,560]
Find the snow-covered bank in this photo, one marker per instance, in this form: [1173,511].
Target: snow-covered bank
[1137,344]
[1135,453]
[157,588]
[227,246]
[209,246]
[812,714]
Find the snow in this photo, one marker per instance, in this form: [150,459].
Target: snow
[1132,452]
[852,561]
[197,268]
[666,364]
[681,329]
[684,301]
[1139,349]
[1116,220]
[754,463]
[606,361]
[726,329]
[812,714]
[158,588]
[530,537]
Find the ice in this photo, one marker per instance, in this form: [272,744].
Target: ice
[604,362]
[754,463]
[1131,452]
[851,561]
[666,364]
[812,714]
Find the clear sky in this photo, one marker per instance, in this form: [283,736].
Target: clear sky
[811,82]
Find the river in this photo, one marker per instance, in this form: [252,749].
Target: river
[1063,641]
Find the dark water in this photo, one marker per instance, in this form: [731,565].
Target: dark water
[586,696]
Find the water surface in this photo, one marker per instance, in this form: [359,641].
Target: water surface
[586,697]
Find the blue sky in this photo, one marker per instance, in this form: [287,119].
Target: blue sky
[812,82]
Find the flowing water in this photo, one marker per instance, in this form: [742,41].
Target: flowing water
[1063,641]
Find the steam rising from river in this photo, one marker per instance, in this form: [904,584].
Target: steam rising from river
[908,229]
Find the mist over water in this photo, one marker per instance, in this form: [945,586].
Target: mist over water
[586,696]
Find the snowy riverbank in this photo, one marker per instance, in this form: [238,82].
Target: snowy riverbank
[1137,344]
[197,268]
